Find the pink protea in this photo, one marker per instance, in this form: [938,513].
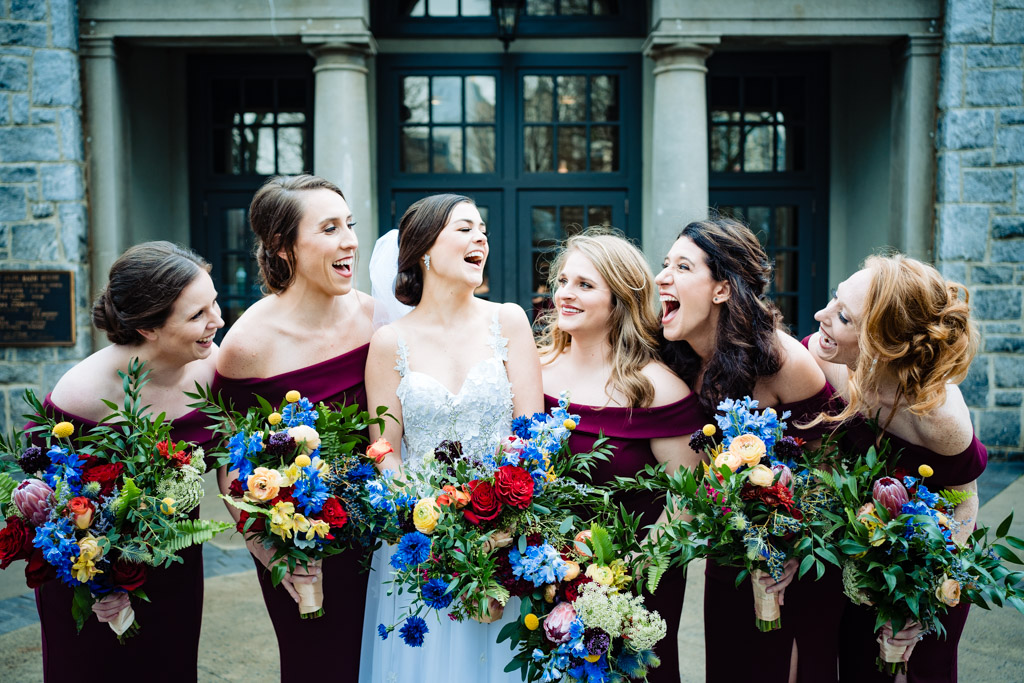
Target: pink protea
[557,623]
[891,494]
[33,498]
[785,474]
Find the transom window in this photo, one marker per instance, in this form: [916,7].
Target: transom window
[447,124]
[534,8]
[757,123]
[571,123]
[548,8]
[448,8]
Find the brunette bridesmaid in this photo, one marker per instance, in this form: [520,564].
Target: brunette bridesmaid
[310,334]
[160,306]
[601,345]
[724,340]
[894,341]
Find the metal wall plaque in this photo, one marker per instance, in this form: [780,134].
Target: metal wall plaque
[37,308]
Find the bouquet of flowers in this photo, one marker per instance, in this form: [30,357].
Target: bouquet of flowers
[97,510]
[578,620]
[300,482]
[900,557]
[471,527]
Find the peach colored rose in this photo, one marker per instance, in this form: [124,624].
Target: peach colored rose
[378,449]
[263,484]
[572,570]
[581,541]
[949,592]
[728,459]
[749,448]
[760,475]
[305,437]
[81,509]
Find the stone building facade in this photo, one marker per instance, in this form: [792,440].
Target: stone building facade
[913,137]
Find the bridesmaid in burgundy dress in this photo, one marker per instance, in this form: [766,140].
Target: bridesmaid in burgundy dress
[723,339]
[311,334]
[601,345]
[159,306]
[894,341]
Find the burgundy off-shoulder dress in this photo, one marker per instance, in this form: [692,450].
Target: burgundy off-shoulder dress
[630,431]
[810,615]
[169,624]
[336,380]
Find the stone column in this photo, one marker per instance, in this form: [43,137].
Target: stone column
[679,157]
[106,160]
[341,136]
[915,75]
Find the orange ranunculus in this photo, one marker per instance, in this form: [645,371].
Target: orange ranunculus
[749,448]
[949,592]
[460,496]
[728,459]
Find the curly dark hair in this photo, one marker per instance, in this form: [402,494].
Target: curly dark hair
[746,347]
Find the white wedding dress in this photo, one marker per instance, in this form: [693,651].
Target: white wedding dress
[478,416]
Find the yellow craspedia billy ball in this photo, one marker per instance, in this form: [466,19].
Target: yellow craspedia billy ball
[569,424]
[531,621]
[292,396]
[62,430]
[925,471]
[303,460]
[708,430]
[274,419]
[592,658]
[167,506]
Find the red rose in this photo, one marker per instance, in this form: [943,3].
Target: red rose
[572,588]
[15,542]
[38,571]
[333,513]
[106,473]
[259,524]
[128,575]
[484,505]
[235,489]
[513,486]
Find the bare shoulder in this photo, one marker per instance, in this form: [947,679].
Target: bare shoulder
[79,390]
[948,429]
[513,319]
[800,377]
[249,342]
[366,304]
[202,370]
[668,387]
[384,341]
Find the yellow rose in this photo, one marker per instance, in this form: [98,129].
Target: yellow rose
[292,396]
[89,548]
[62,430]
[305,437]
[728,459]
[531,621]
[302,460]
[600,574]
[749,448]
[274,418]
[949,592]
[425,515]
[263,485]
[925,471]
[760,475]
[709,430]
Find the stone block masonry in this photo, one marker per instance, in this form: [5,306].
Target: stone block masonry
[980,203]
[43,212]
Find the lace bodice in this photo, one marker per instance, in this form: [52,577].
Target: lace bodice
[478,416]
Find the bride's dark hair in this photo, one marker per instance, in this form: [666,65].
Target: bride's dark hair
[417,232]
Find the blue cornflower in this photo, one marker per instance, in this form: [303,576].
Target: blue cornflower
[360,473]
[413,549]
[521,427]
[310,490]
[435,594]
[413,630]
[383,631]
[299,413]
[541,564]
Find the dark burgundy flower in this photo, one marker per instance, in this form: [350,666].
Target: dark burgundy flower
[38,571]
[596,641]
[700,441]
[15,542]
[280,444]
[33,460]
[128,575]
[448,452]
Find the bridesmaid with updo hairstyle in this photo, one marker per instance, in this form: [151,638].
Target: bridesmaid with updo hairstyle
[600,344]
[311,334]
[894,341]
[159,306]
[723,338]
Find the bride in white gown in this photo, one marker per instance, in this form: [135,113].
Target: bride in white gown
[458,368]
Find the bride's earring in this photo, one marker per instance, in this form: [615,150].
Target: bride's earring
[426,261]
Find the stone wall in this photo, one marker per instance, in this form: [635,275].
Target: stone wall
[43,218]
[980,201]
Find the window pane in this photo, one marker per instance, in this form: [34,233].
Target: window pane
[540,8]
[785,226]
[265,151]
[476,8]
[543,226]
[782,160]
[291,150]
[480,99]
[239,275]
[602,7]
[724,116]
[725,92]
[236,237]
[537,149]
[725,148]
[480,149]
[414,100]
[446,99]
[574,7]
[604,149]
[291,93]
[787,304]
[757,149]
[225,100]
[444,8]
[291,117]
[792,149]
[604,98]
[572,98]
[572,220]
[786,271]
[791,98]
[759,221]
[447,148]
[419,9]
[599,216]
[537,98]
[414,150]
[572,149]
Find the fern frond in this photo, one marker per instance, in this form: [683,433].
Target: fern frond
[7,486]
[191,532]
[136,553]
[129,494]
[828,478]
[954,497]
[657,569]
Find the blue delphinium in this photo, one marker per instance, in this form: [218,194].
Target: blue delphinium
[310,490]
[436,595]
[239,448]
[299,413]
[360,473]
[378,493]
[541,564]
[413,630]
[65,465]
[383,631]
[56,538]
[413,549]
[736,417]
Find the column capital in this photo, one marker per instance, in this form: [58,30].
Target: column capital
[101,46]
[678,51]
[343,55]
[917,45]
[362,43]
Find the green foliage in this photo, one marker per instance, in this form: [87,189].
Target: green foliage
[954,497]
[190,532]
[7,486]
